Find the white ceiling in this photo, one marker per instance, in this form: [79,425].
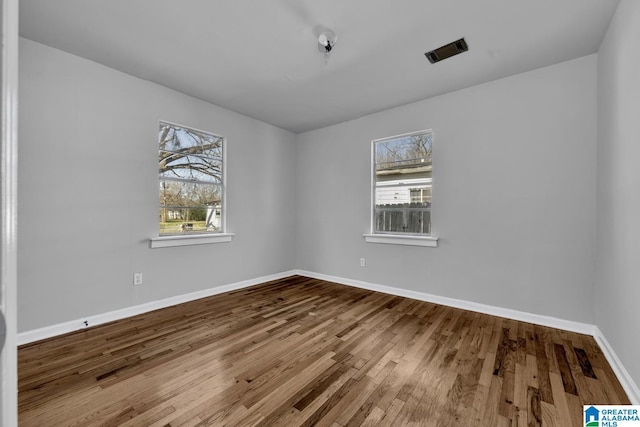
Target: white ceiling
[260,57]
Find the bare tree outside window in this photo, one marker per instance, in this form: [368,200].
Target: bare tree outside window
[191,180]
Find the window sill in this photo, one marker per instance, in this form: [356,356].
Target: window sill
[399,239]
[194,239]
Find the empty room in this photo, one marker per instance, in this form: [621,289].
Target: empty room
[300,213]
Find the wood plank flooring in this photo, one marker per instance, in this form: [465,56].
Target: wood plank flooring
[304,352]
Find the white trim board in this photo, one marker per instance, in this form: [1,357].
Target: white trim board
[625,379]
[9,76]
[633,392]
[99,319]
[523,316]
[630,387]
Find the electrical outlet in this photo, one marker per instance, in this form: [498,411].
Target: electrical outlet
[137,279]
[363,262]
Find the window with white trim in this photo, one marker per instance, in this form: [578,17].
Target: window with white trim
[190,171]
[402,184]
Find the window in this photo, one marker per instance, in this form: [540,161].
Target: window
[191,181]
[402,173]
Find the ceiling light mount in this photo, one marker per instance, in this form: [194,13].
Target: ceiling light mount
[326,41]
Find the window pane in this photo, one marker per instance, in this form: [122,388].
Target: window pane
[190,220]
[403,180]
[185,194]
[189,207]
[403,152]
[190,170]
[190,141]
[177,165]
[412,218]
[190,154]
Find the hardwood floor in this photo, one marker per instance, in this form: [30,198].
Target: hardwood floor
[302,352]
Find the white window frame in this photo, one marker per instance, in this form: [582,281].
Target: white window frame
[394,238]
[222,236]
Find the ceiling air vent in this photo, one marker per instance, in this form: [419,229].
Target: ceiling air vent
[447,51]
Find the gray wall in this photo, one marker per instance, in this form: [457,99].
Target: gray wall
[88,192]
[513,198]
[618,226]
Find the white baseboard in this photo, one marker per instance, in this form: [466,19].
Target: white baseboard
[75,325]
[633,392]
[553,322]
[625,379]
[584,328]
